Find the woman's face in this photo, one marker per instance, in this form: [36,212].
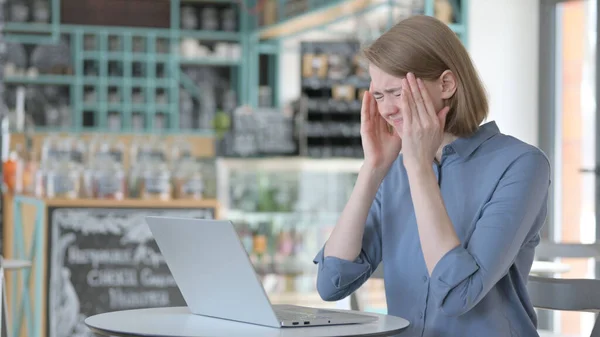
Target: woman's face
[387,89]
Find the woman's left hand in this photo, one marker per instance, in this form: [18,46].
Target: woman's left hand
[423,127]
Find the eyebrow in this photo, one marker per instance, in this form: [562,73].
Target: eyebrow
[389,91]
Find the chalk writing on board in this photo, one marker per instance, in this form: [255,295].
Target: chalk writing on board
[105,260]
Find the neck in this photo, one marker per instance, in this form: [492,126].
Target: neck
[448,138]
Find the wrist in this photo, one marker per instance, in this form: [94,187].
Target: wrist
[374,173]
[418,169]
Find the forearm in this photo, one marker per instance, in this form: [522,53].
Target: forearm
[436,232]
[345,241]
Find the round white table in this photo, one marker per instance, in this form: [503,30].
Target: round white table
[179,322]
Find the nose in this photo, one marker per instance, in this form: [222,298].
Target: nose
[388,108]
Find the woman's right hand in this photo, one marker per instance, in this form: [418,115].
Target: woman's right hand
[380,145]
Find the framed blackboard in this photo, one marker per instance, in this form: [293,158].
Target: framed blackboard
[104,260]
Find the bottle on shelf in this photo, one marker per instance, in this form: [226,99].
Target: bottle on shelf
[63,180]
[156,182]
[260,246]
[108,181]
[188,180]
[13,171]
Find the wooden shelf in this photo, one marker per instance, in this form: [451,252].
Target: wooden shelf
[314,19]
[40,79]
[130,203]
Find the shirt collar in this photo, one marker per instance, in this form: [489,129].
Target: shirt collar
[466,146]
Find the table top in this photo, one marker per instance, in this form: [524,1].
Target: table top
[178,321]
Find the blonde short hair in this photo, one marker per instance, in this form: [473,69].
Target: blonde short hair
[427,47]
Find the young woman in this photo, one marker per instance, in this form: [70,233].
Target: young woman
[452,207]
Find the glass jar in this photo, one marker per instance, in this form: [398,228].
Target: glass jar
[134,180]
[107,146]
[156,182]
[208,169]
[108,181]
[51,149]
[188,183]
[63,180]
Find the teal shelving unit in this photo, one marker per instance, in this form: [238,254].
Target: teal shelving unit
[138,67]
[108,48]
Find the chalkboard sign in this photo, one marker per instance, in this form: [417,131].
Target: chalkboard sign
[104,260]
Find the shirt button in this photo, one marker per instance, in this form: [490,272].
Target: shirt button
[421,315]
[448,150]
[425,278]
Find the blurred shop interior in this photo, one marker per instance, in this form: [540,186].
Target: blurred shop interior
[247,110]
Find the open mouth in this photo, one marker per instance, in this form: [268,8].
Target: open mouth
[396,122]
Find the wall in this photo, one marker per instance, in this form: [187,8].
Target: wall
[507,63]
[503,42]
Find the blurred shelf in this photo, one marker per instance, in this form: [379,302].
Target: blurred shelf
[209,61]
[87,80]
[121,81]
[110,203]
[92,130]
[325,83]
[210,35]
[40,79]
[351,165]
[122,55]
[158,108]
[32,27]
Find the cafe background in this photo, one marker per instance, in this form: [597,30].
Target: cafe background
[246,110]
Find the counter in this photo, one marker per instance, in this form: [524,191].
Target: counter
[88,257]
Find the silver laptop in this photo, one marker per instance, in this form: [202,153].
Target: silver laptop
[216,278]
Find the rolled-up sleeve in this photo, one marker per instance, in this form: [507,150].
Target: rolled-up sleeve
[514,213]
[337,278]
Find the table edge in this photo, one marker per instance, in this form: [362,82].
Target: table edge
[112,333]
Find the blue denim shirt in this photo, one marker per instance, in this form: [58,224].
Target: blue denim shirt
[495,189]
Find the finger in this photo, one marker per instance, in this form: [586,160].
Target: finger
[374,114]
[373,106]
[385,127]
[426,98]
[418,103]
[412,107]
[364,110]
[405,108]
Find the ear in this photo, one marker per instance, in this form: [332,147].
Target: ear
[448,84]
